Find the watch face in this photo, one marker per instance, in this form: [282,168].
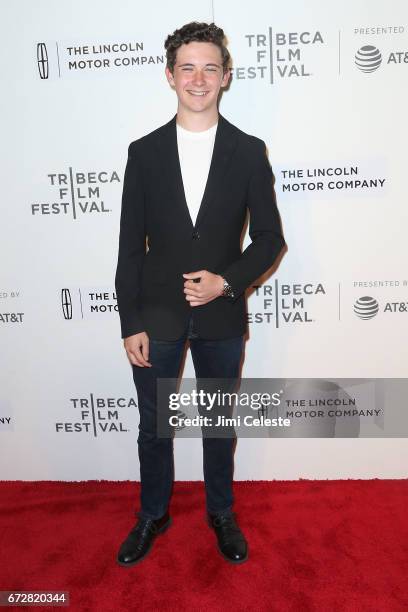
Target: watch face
[228,292]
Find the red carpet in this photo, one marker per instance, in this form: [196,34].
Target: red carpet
[314,546]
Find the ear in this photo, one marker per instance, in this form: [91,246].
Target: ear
[169,76]
[226,77]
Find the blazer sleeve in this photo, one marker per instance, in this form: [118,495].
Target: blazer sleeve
[264,227]
[132,247]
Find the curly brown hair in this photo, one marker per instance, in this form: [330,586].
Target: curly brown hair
[198,32]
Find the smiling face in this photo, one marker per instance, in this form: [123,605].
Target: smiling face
[198,77]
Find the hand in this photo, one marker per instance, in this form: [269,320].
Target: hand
[210,287]
[137,349]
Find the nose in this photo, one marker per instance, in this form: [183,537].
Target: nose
[199,77]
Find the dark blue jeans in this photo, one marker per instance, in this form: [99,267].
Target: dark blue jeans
[211,359]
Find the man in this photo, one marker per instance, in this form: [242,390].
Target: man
[186,192]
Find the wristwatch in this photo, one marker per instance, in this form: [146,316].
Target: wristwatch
[228,291]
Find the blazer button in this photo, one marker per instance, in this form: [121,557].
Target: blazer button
[196,236]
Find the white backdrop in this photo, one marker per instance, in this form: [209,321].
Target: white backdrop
[336,131]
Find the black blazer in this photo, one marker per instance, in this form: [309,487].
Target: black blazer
[158,241]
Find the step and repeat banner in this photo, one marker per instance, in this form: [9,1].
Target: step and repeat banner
[325,86]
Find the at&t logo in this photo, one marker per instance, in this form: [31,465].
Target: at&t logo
[366,307]
[368,58]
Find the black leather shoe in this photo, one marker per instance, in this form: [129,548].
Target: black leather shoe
[140,540]
[231,542]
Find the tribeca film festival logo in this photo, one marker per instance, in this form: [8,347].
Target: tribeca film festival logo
[278,55]
[369,57]
[284,303]
[9,315]
[75,193]
[96,415]
[59,59]
[88,302]
[367,307]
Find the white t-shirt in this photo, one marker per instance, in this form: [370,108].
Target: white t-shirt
[195,151]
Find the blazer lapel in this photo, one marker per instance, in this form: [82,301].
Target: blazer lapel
[172,178]
[224,145]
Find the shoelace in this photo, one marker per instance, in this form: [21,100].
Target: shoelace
[142,529]
[230,528]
